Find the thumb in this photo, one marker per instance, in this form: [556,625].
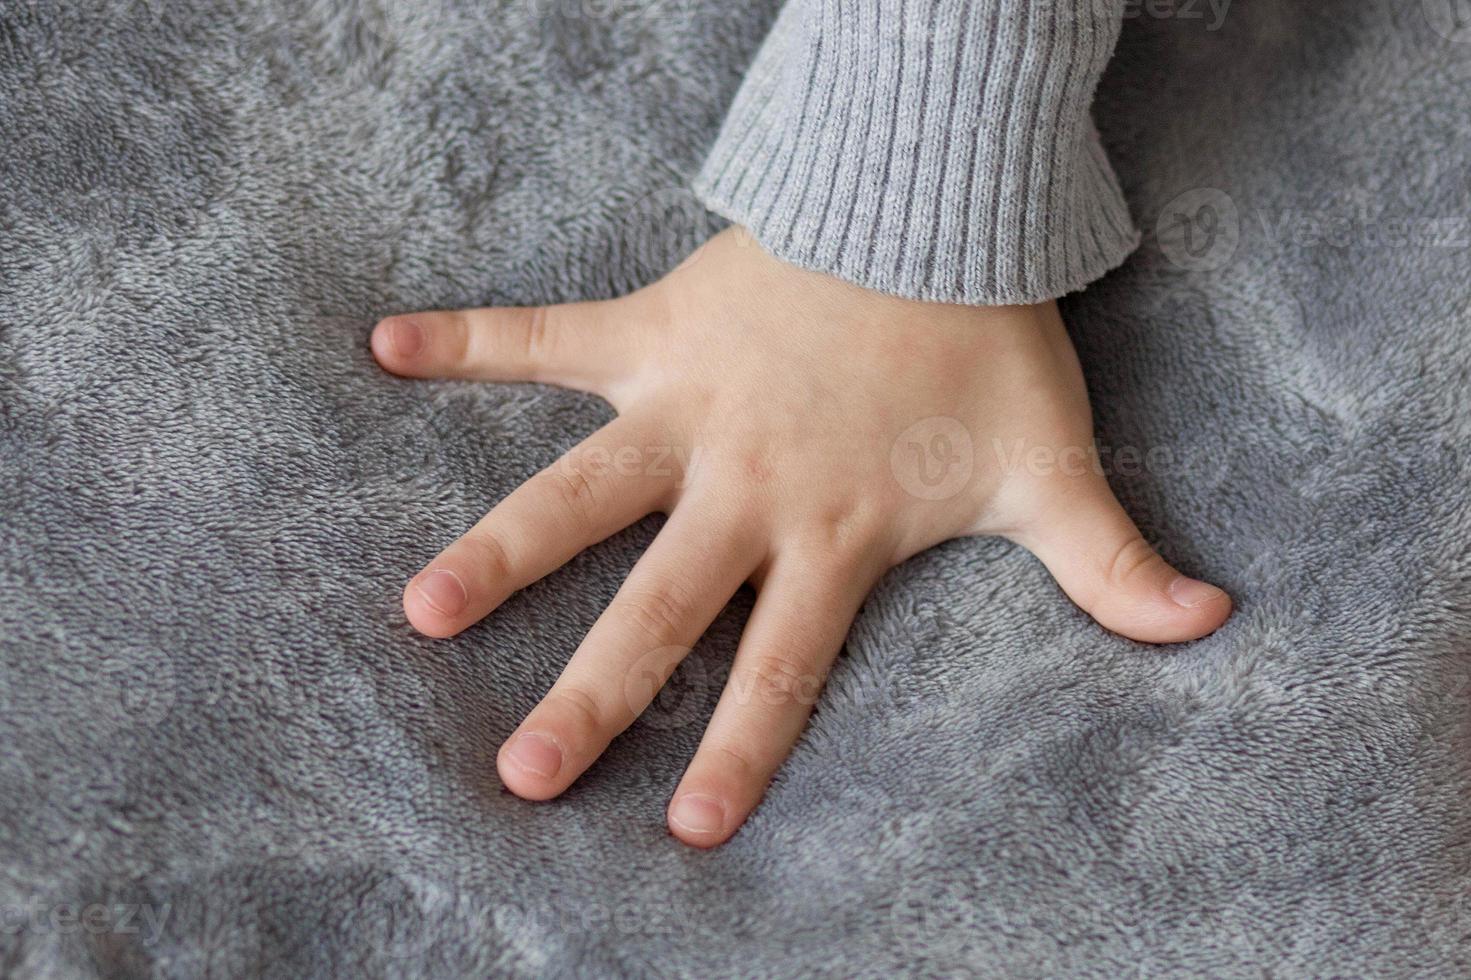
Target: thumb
[1099,558]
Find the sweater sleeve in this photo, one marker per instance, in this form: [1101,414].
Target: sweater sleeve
[933,149]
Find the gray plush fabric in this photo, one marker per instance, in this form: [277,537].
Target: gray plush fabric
[222,751]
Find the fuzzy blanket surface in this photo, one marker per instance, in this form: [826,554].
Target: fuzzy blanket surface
[223,751]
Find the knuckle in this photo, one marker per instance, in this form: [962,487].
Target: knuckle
[576,487]
[1128,560]
[535,335]
[847,530]
[659,614]
[579,712]
[776,679]
[841,544]
[490,555]
[456,343]
[736,761]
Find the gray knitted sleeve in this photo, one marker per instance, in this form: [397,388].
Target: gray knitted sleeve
[934,149]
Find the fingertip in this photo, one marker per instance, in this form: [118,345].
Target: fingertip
[396,342]
[379,343]
[529,765]
[424,600]
[700,820]
[1191,593]
[1205,607]
[1165,618]
[1193,609]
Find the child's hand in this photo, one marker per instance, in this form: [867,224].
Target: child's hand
[831,433]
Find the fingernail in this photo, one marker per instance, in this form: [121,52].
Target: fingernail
[698,814]
[536,753]
[1189,592]
[443,590]
[407,337]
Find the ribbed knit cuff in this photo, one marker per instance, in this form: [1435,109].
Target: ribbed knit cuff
[934,149]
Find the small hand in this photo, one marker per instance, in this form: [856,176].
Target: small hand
[803,435]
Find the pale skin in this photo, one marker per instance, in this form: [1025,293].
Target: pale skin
[788,391]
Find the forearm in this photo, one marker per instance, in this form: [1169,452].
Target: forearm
[935,149]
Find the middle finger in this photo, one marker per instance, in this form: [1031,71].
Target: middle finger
[675,591]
